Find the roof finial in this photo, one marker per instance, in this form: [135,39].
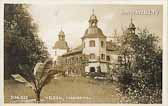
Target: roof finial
[61,31]
[92,11]
[131,19]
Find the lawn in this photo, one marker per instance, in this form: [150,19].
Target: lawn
[67,90]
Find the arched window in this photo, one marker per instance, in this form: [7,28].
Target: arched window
[92,43]
[92,56]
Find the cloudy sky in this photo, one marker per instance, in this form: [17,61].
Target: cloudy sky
[73,20]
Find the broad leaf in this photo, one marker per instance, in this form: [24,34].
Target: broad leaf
[19,78]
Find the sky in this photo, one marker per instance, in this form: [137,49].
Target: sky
[73,20]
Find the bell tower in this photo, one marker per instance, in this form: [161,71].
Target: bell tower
[131,27]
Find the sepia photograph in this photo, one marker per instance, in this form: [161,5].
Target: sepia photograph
[83,53]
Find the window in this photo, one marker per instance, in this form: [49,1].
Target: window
[102,44]
[108,58]
[102,56]
[92,43]
[92,56]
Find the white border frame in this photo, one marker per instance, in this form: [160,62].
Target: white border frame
[130,2]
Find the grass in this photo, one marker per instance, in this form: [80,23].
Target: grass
[68,90]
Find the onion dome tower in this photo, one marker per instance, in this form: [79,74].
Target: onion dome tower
[61,43]
[93,31]
[131,28]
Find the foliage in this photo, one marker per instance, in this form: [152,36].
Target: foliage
[43,74]
[140,69]
[22,45]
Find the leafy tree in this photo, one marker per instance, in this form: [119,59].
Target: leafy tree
[140,67]
[22,45]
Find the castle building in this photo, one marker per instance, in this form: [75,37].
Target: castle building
[102,55]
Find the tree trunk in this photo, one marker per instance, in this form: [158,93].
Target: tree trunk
[38,96]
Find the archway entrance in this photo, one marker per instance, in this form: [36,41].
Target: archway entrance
[92,69]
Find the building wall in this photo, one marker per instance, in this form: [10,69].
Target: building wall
[113,56]
[73,64]
[87,68]
[58,52]
[97,50]
[103,67]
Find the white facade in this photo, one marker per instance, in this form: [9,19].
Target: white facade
[58,52]
[98,50]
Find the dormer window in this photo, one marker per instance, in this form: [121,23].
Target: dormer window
[92,43]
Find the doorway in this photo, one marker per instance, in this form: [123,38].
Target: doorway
[92,69]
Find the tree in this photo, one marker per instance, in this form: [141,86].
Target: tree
[43,74]
[22,45]
[141,66]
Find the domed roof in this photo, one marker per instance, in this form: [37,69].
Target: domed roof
[60,44]
[94,32]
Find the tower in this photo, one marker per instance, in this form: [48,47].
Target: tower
[131,28]
[60,47]
[94,45]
